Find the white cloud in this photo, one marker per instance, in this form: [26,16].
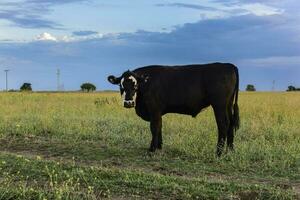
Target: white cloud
[257,9]
[260,9]
[65,38]
[46,37]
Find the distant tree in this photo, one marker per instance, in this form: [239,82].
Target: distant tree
[291,88]
[250,88]
[12,90]
[26,87]
[88,87]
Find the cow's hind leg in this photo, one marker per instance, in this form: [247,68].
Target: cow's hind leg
[160,140]
[222,119]
[230,133]
[155,126]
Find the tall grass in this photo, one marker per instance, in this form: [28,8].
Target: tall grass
[96,130]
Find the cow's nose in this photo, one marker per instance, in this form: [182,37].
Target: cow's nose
[128,104]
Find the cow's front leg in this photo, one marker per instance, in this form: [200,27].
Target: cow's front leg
[155,126]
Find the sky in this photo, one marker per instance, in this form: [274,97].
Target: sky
[87,40]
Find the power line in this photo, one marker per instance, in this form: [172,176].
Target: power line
[6,79]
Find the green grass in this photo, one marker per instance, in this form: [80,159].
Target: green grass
[87,146]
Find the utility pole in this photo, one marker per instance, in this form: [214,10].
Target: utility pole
[273,85]
[58,79]
[6,80]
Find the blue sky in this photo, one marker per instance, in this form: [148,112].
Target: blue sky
[88,39]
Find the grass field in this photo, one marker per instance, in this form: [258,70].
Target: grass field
[87,146]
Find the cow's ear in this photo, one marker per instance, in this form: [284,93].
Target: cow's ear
[112,79]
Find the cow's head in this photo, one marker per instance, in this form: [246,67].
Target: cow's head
[129,83]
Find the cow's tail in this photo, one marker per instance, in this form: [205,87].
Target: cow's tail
[236,115]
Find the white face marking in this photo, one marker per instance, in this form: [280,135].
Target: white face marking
[123,96]
[122,80]
[134,97]
[133,80]
[128,101]
[124,93]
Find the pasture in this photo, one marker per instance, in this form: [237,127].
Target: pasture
[87,146]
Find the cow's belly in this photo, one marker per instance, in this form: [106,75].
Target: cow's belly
[186,110]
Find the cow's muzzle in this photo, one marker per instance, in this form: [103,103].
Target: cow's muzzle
[129,104]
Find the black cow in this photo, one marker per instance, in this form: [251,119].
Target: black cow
[156,90]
